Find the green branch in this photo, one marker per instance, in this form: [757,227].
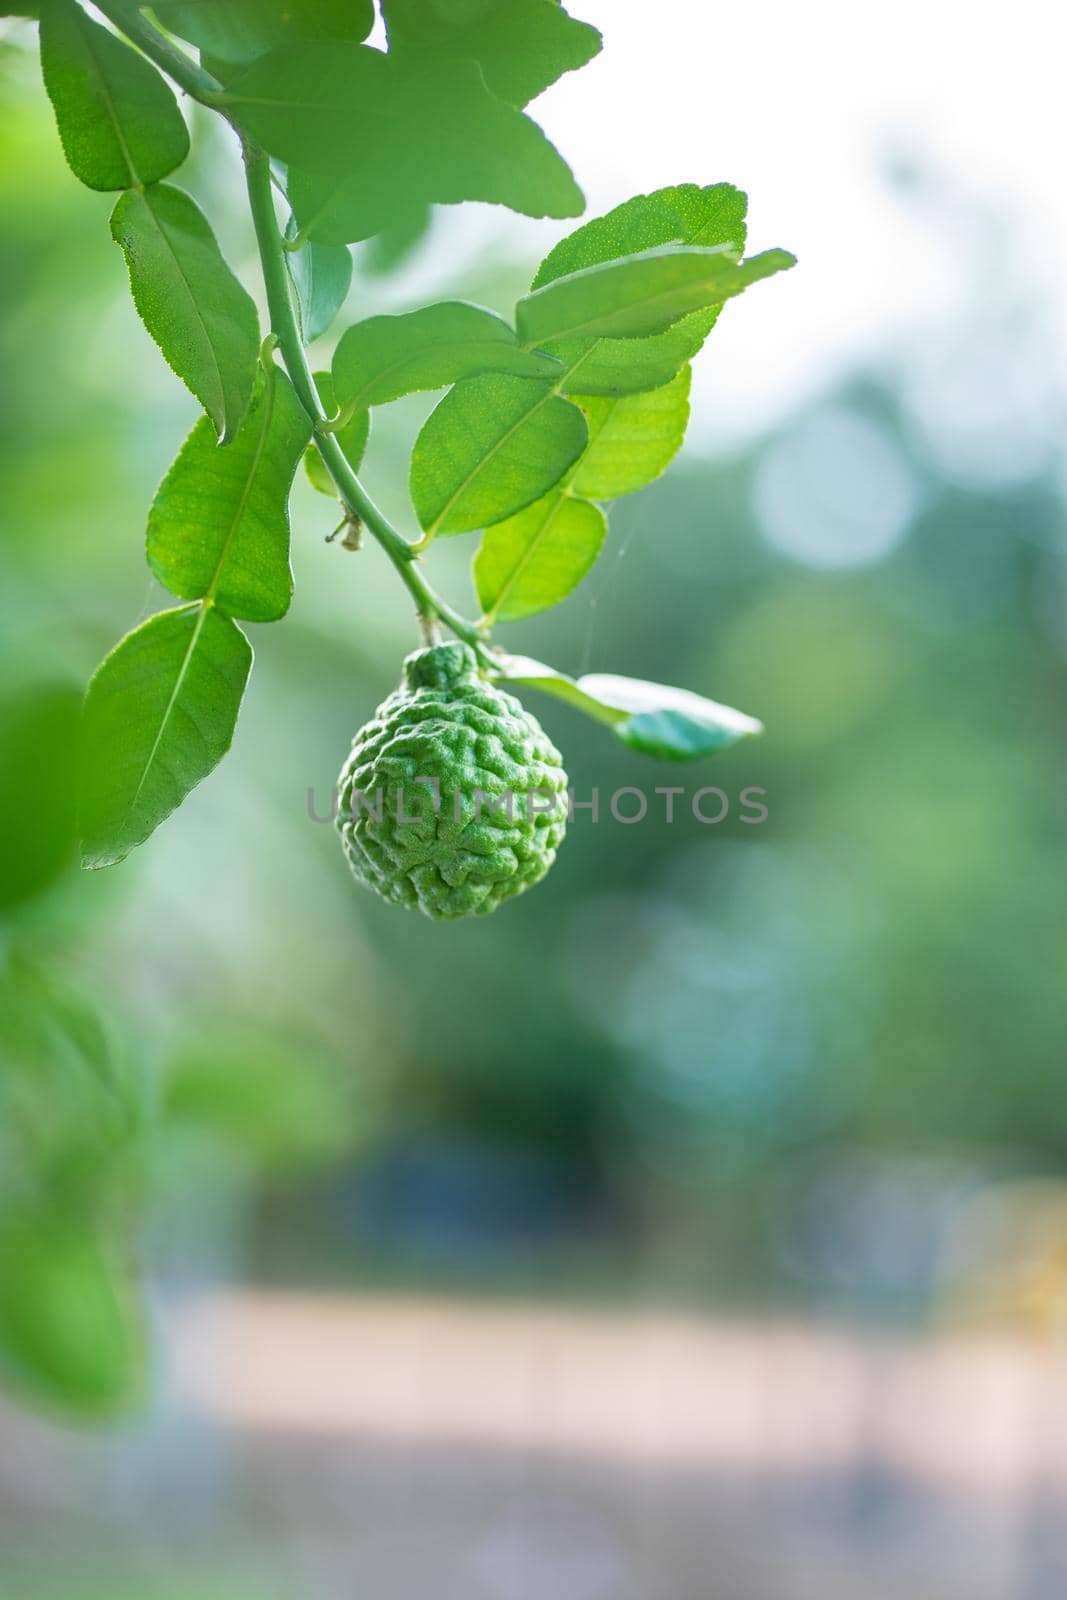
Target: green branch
[286,328]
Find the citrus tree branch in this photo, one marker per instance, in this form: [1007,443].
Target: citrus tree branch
[285,323]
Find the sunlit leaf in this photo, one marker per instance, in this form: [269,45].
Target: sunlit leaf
[641,294]
[538,675]
[521,46]
[632,439]
[204,322]
[322,276]
[536,558]
[159,717]
[492,446]
[387,357]
[438,136]
[672,724]
[118,120]
[683,214]
[219,525]
[237,31]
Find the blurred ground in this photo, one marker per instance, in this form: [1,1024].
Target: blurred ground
[401,1447]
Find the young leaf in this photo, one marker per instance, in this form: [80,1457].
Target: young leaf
[615,367]
[525,670]
[536,558]
[673,724]
[437,135]
[237,31]
[682,214]
[159,716]
[492,446]
[352,438]
[387,357]
[322,277]
[640,294]
[632,440]
[522,46]
[219,525]
[658,720]
[195,309]
[118,121]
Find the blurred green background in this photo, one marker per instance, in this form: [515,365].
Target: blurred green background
[810,1071]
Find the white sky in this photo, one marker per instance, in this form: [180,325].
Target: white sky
[802,105]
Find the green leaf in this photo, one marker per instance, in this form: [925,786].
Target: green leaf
[397,243]
[159,716]
[195,309]
[656,719]
[640,294]
[437,136]
[352,438]
[521,46]
[683,214]
[322,277]
[614,367]
[632,439]
[525,670]
[118,121]
[387,357]
[70,1335]
[237,31]
[673,724]
[536,558]
[39,739]
[492,446]
[219,525]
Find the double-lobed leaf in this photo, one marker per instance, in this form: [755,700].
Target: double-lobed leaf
[632,439]
[203,320]
[118,121]
[535,559]
[681,214]
[521,46]
[641,294]
[654,718]
[159,716]
[431,131]
[387,357]
[235,32]
[493,445]
[219,525]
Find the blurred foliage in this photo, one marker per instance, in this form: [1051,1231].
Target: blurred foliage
[692,1058]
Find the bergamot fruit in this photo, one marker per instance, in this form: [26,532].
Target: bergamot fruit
[453,799]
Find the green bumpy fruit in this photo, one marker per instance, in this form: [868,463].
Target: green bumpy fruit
[424,795]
